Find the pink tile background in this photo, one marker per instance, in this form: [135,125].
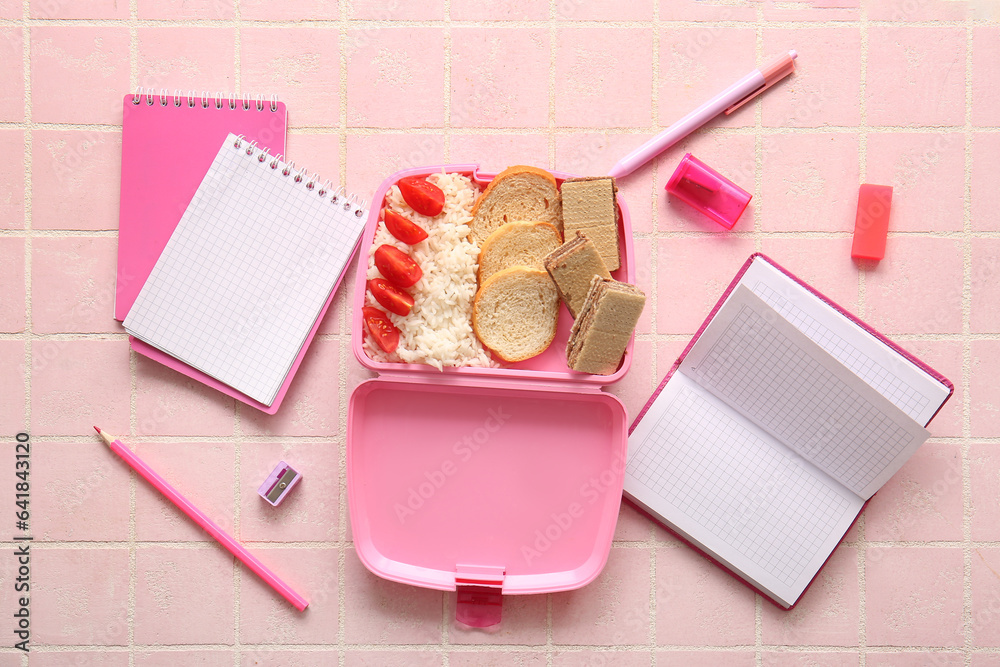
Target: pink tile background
[373,86]
[76,186]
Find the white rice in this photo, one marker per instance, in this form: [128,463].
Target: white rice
[438,330]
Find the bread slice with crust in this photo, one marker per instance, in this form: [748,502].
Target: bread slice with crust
[517,193]
[517,244]
[515,313]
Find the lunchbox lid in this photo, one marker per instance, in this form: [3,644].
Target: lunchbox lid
[550,366]
[482,487]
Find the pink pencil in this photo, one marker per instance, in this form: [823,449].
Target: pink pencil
[234,547]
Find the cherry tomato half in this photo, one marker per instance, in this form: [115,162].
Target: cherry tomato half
[390,297]
[397,266]
[381,328]
[423,196]
[404,229]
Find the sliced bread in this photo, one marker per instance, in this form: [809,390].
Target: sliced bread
[517,244]
[515,313]
[517,193]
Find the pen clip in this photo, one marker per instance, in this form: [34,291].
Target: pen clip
[749,97]
[772,72]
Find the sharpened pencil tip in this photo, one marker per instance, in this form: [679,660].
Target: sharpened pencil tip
[97,429]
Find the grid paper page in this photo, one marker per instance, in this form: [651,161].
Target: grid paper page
[247,271]
[760,364]
[905,396]
[734,490]
[910,388]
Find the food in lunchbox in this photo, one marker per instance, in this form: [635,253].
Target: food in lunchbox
[390,297]
[515,313]
[517,193]
[604,326]
[437,331]
[381,328]
[572,266]
[403,229]
[517,244]
[398,267]
[588,207]
[421,195]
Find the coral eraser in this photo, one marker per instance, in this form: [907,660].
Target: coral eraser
[871,226]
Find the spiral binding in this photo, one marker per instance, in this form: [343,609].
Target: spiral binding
[301,175]
[207,100]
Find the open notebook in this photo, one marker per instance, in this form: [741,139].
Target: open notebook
[774,428]
[240,286]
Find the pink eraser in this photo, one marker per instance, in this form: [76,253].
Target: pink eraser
[871,226]
[708,191]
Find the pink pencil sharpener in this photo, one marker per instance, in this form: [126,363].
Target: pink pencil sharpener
[279,483]
[697,184]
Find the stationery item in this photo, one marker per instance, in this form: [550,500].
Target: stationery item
[241,285]
[728,101]
[199,517]
[871,225]
[168,143]
[572,266]
[277,485]
[708,191]
[589,209]
[604,327]
[775,426]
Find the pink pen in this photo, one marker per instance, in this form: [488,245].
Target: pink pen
[727,101]
[234,547]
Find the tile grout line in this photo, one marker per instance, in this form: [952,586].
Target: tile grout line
[862,561]
[654,242]
[488,23]
[550,127]
[967,617]
[564,130]
[654,261]
[758,147]
[238,568]
[26,219]
[342,516]
[446,98]
[133,574]
[758,144]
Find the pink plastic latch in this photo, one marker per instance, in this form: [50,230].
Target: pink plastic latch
[480,595]
[708,191]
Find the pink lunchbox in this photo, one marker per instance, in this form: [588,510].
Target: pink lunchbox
[486,481]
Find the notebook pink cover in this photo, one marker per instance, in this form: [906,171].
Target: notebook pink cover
[168,144]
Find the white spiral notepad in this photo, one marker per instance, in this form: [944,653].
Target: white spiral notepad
[248,270]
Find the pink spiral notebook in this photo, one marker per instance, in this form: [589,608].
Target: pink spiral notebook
[168,144]
[245,279]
